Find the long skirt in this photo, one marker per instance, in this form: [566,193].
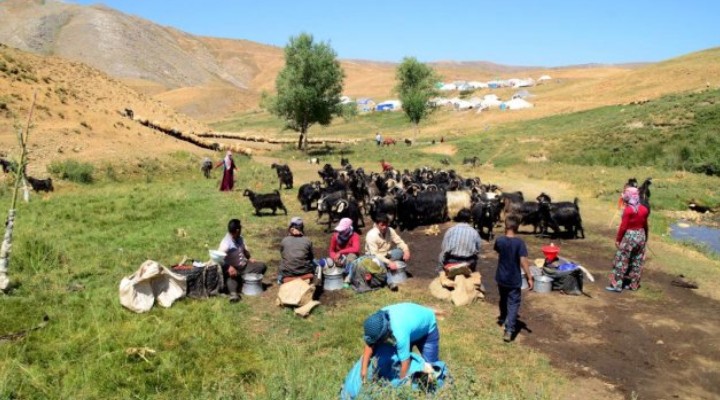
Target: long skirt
[629,259]
[228,180]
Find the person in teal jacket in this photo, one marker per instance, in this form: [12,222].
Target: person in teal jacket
[404,325]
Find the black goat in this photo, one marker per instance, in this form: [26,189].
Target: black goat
[8,166]
[308,193]
[344,161]
[206,167]
[327,201]
[383,205]
[346,208]
[425,207]
[561,214]
[41,184]
[485,215]
[470,160]
[285,176]
[268,200]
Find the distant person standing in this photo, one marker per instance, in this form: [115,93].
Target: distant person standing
[512,256]
[378,139]
[228,179]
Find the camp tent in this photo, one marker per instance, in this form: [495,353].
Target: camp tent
[544,78]
[517,104]
[490,100]
[448,87]
[461,105]
[345,100]
[389,105]
[478,85]
[522,94]
[365,104]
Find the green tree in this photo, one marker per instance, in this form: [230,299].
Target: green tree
[415,87]
[308,87]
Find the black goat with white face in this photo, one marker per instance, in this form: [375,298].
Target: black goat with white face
[346,208]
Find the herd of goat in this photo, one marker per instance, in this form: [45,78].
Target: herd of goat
[420,197]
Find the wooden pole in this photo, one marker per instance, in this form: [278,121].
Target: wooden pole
[19,176]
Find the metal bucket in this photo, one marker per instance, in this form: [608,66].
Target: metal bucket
[333,279]
[524,281]
[252,284]
[543,284]
[399,275]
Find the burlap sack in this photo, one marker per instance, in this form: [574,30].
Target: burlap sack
[295,293]
[437,290]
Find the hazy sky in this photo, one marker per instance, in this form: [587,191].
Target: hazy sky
[520,32]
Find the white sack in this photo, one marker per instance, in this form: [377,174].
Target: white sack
[151,281]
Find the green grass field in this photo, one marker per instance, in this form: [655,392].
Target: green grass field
[72,247]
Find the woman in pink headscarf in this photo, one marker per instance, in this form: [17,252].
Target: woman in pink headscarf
[228,179]
[630,241]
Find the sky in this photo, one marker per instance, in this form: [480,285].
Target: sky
[548,33]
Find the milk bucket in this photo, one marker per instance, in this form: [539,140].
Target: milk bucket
[399,275]
[252,284]
[543,284]
[333,279]
[524,281]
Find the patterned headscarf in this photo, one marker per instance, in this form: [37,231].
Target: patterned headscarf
[631,196]
[228,160]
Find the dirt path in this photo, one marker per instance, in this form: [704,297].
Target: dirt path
[658,343]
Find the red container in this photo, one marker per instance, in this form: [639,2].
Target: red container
[550,251]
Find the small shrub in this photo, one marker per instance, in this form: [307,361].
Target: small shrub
[72,170]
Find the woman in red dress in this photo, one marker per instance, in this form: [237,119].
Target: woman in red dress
[630,242]
[228,179]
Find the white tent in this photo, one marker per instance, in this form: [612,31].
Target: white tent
[345,100]
[461,105]
[478,85]
[490,100]
[517,104]
[544,78]
[448,87]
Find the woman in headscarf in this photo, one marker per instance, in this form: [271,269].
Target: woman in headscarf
[228,179]
[630,241]
[344,243]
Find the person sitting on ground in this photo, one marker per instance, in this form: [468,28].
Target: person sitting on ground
[567,276]
[405,325]
[385,244]
[296,253]
[237,259]
[461,244]
[344,243]
[386,166]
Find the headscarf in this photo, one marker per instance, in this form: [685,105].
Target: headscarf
[631,196]
[228,160]
[344,230]
[376,327]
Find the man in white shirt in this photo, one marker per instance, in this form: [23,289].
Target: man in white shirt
[237,259]
[384,243]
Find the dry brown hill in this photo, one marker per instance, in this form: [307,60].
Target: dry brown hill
[209,79]
[78,114]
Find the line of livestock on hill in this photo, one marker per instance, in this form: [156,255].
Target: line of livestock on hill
[421,197]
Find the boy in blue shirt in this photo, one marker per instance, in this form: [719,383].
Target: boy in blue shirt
[512,255]
[404,324]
